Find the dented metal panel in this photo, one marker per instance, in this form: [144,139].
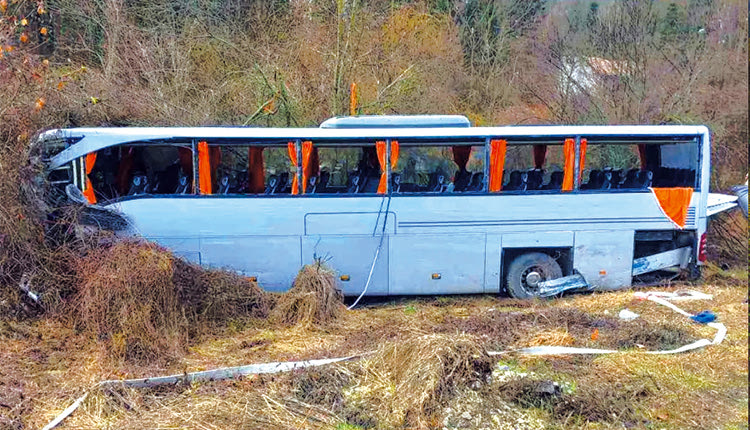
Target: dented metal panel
[676,257]
[604,258]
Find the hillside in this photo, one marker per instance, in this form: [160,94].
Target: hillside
[295,63]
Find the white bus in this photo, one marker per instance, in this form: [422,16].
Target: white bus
[405,205]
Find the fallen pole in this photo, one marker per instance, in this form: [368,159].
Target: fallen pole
[206,375]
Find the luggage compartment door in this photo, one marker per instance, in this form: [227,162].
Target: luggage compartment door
[437,264]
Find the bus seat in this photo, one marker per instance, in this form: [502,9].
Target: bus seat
[683,178]
[461,180]
[273,183]
[436,183]
[477,182]
[369,184]
[555,181]
[616,178]
[165,181]
[661,177]
[517,181]
[432,182]
[535,179]
[353,186]
[325,177]
[312,185]
[645,177]
[631,178]
[595,180]
[183,185]
[284,185]
[138,185]
[396,182]
[224,185]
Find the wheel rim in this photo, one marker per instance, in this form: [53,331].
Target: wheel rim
[531,277]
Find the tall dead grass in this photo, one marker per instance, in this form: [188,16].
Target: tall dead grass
[728,239]
[314,298]
[146,304]
[405,381]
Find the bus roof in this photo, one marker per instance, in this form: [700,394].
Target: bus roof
[396,121]
[87,140]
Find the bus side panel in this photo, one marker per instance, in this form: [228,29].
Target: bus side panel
[351,256]
[187,248]
[605,258]
[437,263]
[274,260]
[492,267]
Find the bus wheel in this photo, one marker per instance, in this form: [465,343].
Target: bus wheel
[527,271]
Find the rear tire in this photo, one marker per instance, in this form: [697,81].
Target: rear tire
[527,270]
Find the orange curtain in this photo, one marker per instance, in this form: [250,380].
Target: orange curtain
[674,203]
[292,150]
[185,156]
[394,154]
[313,166]
[204,168]
[583,158]
[88,192]
[123,170]
[540,153]
[497,164]
[461,155]
[256,170]
[307,150]
[380,148]
[569,150]
[642,155]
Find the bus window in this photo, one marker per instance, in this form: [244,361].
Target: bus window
[252,169]
[139,169]
[456,168]
[339,166]
[279,171]
[533,167]
[677,165]
[612,166]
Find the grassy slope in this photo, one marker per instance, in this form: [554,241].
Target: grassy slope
[47,366]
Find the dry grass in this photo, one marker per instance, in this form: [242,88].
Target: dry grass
[128,300]
[559,337]
[313,299]
[50,365]
[406,381]
[216,297]
[146,305]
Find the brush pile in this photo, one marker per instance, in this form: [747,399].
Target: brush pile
[406,381]
[313,299]
[146,304]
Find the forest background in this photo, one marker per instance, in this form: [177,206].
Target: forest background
[134,310]
[292,63]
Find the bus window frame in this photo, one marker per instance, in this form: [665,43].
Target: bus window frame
[594,140]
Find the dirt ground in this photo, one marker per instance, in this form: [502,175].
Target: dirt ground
[46,365]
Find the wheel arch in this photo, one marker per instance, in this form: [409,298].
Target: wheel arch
[562,255]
